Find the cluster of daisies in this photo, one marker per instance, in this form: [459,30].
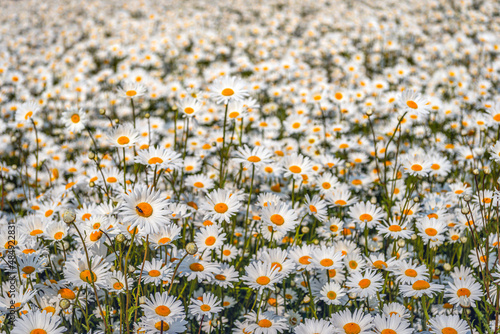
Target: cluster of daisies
[308,167]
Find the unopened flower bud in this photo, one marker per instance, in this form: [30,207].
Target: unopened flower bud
[305,229]
[91,155]
[191,248]
[353,295]
[64,304]
[120,238]
[413,237]
[467,198]
[131,269]
[463,240]
[487,170]
[465,210]
[475,171]
[147,115]
[401,243]
[117,120]
[416,199]
[369,112]
[373,200]
[69,216]
[142,300]
[102,111]
[315,241]
[91,184]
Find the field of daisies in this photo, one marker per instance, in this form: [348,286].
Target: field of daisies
[250,167]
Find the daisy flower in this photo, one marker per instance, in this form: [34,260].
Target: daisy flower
[257,156]
[38,322]
[163,307]
[227,89]
[365,285]
[393,325]
[417,164]
[78,273]
[123,136]
[314,326]
[220,205]
[281,217]
[160,158]
[317,207]
[259,276]
[226,275]
[431,230]
[116,282]
[194,268]
[190,106]
[420,288]
[145,208]
[327,258]
[26,111]
[448,324]
[346,322]
[267,323]
[467,288]
[74,119]
[210,237]
[296,165]
[332,293]
[131,89]
[411,102]
[366,214]
[395,229]
[155,272]
[207,307]
[408,273]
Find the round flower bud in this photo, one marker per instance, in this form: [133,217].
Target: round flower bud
[353,295]
[147,115]
[91,184]
[369,112]
[447,266]
[475,171]
[64,304]
[69,216]
[191,248]
[467,198]
[413,237]
[465,210]
[463,240]
[120,238]
[91,155]
[401,243]
[305,229]
[102,111]
[306,299]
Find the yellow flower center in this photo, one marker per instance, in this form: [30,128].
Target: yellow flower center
[155,160]
[227,92]
[221,208]
[144,209]
[263,280]
[123,140]
[88,276]
[421,285]
[277,219]
[162,310]
[75,118]
[352,328]
[412,104]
